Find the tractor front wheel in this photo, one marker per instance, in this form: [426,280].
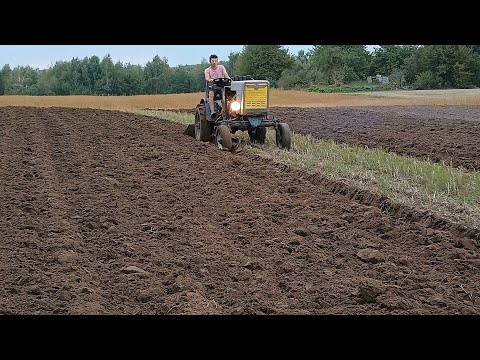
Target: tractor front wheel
[283,136]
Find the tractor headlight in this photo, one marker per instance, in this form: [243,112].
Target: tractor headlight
[234,106]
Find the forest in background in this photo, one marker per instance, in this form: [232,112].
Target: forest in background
[324,68]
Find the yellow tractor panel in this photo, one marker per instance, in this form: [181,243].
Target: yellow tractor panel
[256,98]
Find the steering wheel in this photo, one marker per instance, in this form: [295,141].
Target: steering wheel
[222,82]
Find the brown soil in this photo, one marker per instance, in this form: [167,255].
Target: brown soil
[105,212]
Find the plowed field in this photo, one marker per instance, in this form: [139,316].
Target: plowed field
[104,212]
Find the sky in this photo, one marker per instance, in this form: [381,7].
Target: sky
[45,56]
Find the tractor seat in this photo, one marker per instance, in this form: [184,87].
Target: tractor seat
[217,91]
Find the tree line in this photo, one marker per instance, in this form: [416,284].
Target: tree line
[412,66]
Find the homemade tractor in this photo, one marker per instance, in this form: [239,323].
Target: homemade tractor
[241,103]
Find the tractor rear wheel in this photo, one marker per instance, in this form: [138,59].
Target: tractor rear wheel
[223,138]
[283,136]
[203,129]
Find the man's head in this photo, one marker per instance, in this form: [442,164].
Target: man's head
[213,60]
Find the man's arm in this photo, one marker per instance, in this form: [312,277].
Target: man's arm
[207,76]
[225,74]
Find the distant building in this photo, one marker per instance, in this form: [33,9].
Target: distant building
[377,79]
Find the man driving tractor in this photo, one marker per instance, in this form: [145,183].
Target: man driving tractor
[214,71]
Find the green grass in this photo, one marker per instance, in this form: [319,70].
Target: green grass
[179,117]
[449,192]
